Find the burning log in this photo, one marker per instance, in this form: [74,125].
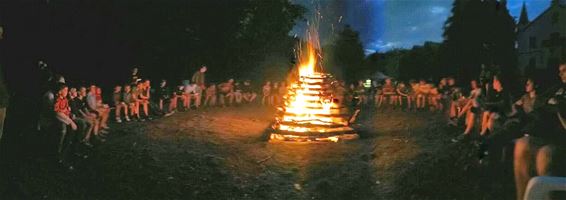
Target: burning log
[310,113]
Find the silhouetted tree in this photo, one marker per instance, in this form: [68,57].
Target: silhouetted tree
[479,32]
[346,55]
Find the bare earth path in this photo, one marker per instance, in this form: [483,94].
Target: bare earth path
[223,154]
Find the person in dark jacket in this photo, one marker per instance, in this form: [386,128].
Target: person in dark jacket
[496,103]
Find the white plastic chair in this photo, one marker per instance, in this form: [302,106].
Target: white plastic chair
[540,187]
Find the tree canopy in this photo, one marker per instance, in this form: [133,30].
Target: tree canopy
[169,39]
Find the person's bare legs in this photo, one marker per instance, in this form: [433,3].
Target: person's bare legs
[485,122]
[522,157]
[470,121]
[146,108]
[118,111]
[173,104]
[104,114]
[264,100]
[544,159]
[380,101]
[125,107]
[230,99]
[491,121]
[253,97]
[197,100]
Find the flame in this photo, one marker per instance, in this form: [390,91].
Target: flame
[309,108]
[307,68]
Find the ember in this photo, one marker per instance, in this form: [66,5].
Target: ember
[310,111]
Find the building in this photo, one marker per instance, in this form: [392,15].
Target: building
[541,43]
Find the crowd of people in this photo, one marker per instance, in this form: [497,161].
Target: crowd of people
[532,124]
[82,116]
[484,109]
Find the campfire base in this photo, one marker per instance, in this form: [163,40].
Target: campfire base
[313,137]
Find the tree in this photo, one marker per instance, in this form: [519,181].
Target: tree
[479,33]
[170,39]
[346,55]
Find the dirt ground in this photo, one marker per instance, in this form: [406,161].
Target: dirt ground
[223,153]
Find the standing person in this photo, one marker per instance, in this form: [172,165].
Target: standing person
[94,106]
[210,99]
[266,91]
[199,77]
[274,94]
[119,104]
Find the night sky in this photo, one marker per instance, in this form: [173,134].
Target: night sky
[389,24]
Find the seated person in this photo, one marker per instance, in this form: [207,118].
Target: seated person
[144,89]
[495,106]
[210,99]
[81,109]
[95,105]
[388,93]
[238,96]
[165,96]
[526,104]
[135,102]
[226,91]
[63,115]
[422,92]
[248,93]
[119,104]
[542,152]
[403,92]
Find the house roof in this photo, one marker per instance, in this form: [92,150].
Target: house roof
[539,16]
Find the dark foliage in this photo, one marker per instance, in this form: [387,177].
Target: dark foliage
[345,56]
[480,33]
[102,40]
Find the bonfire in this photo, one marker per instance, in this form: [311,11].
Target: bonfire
[310,111]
